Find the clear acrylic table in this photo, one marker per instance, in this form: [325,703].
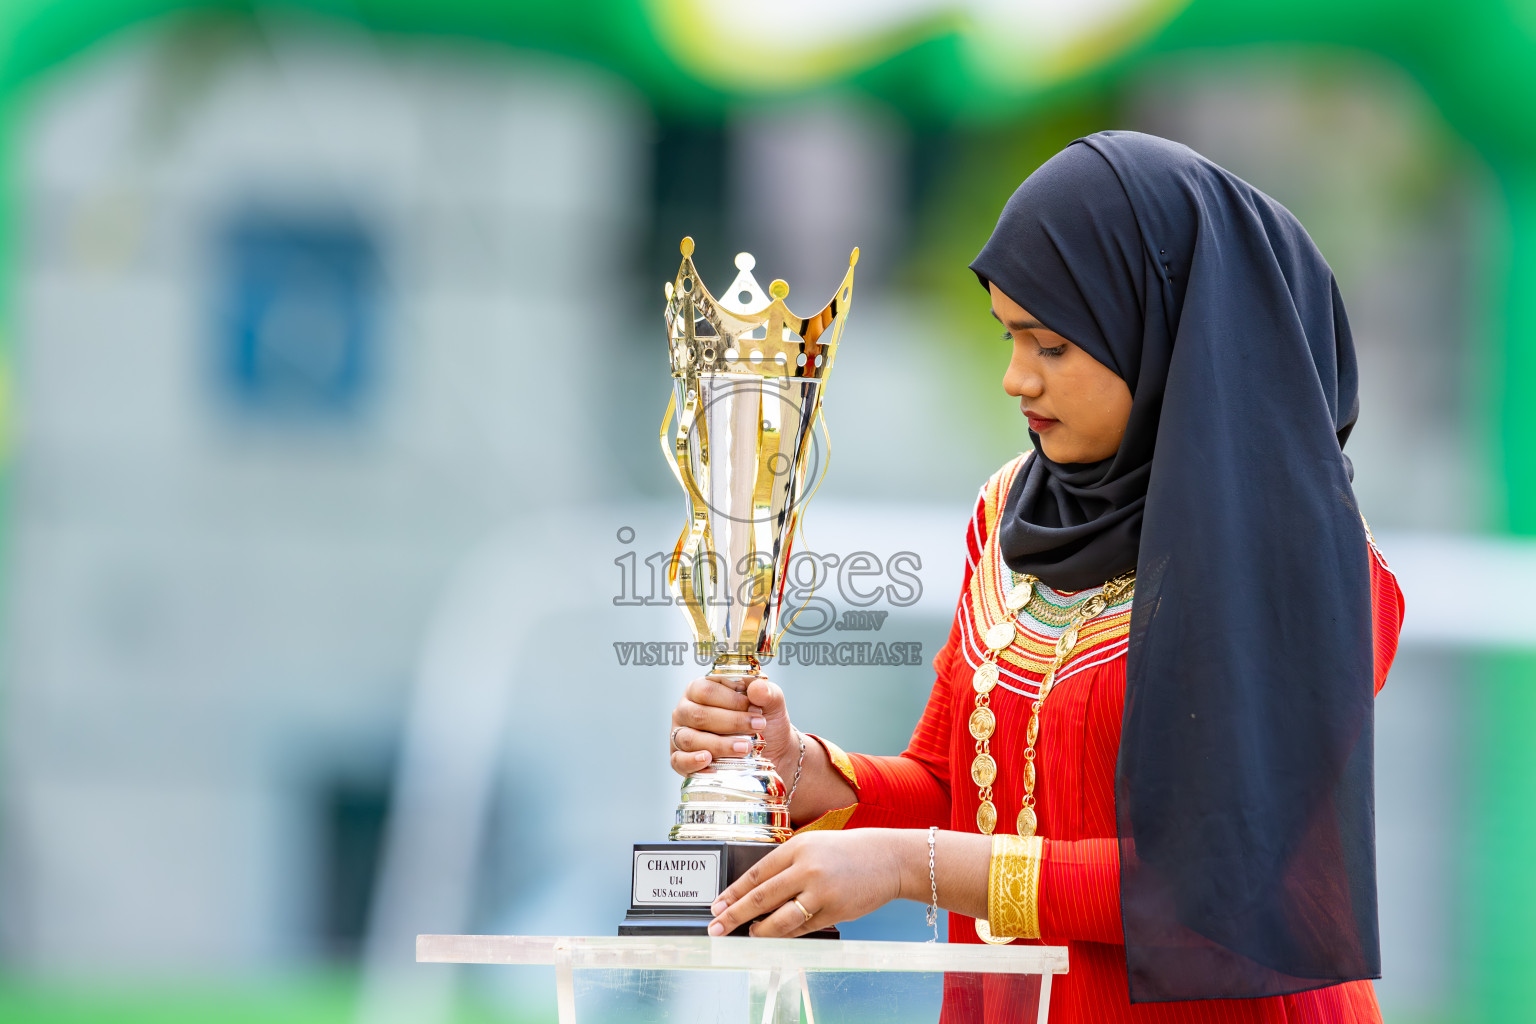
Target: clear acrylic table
[634,979]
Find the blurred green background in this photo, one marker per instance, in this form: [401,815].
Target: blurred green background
[332,355]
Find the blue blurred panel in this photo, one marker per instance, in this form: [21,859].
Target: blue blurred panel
[299,325]
[897,921]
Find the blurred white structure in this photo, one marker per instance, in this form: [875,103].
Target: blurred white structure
[212,611]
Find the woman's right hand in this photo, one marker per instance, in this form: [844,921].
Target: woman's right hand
[715,720]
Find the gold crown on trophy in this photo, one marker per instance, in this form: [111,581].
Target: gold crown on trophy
[748,331]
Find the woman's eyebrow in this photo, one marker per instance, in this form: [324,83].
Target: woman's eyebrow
[1018,325]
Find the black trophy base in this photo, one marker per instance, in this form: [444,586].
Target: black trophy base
[673,884]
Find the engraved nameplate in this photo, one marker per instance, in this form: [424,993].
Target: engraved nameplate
[683,878]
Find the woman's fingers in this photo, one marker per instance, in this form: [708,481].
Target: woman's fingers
[836,876]
[712,721]
[693,742]
[764,887]
[766,694]
[713,692]
[788,921]
[780,742]
[686,762]
[703,718]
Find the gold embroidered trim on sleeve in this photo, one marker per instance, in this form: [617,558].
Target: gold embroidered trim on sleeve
[839,760]
[833,820]
[1013,886]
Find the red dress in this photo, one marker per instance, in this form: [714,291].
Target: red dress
[930,784]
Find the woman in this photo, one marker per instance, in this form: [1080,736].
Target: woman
[1150,734]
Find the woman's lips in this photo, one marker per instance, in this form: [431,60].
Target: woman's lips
[1040,424]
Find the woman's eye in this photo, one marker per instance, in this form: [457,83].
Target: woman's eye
[1047,352]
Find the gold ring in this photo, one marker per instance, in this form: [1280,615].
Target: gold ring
[674,737]
[807,913]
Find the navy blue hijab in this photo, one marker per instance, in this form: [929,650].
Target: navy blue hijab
[1243,790]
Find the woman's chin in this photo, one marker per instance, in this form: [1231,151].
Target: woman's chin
[1057,452]
[1064,450]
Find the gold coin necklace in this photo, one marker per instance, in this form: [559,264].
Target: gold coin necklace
[997,638]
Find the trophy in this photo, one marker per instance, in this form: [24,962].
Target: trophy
[747,382]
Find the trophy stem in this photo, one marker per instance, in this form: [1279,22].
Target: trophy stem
[736,666]
[735,799]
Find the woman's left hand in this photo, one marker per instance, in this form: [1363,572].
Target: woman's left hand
[836,876]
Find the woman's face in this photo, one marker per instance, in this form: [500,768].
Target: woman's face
[1076,404]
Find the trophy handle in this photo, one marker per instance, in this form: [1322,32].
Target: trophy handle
[826,442]
[698,523]
[666,442]
[673,450]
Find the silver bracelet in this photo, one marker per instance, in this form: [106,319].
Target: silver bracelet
[798,766]
[933,885]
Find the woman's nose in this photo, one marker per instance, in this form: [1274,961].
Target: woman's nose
[1022,384]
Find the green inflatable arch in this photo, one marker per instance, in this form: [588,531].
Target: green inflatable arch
[1475,60]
